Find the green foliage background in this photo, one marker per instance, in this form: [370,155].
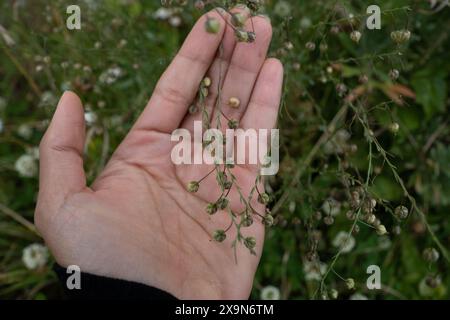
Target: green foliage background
[45,59]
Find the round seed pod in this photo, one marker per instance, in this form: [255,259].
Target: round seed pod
[212,25]
[219,235]
[234,102]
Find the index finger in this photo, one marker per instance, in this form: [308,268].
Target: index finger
[179,84]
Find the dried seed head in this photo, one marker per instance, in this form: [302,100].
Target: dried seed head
[328,220]
[199,5]
[227,185]
[222,203]
[394,127]
[433,281]
[250,242]
[234,102]
[335,29]
[241,35]
[253,4]
[355,199]
[251,36]
[268,220]
[207,82]
[355,36]
[371,218]
[193,109]
[351,215]
[381,230]
[334,294]
[373,203]
[377,223]
[341,89]
[323,47]
[238,20]
[400,36]
[247,220]
[204,92]
[212,25]
[311,46]
[233,124]
[211,208]
[394,74]
[219,235]
[363,79]
[430,255]
[401,212]
[193,186]
[264,198]
[289,45]
[350,283]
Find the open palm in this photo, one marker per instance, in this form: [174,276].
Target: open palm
[137,221]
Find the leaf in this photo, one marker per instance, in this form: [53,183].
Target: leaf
[431,90]
[397,91]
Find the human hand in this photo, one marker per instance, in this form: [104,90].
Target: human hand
[137,221]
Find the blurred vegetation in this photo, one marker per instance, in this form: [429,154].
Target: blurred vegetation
[364,130]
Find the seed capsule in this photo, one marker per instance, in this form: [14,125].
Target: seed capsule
[238,20]
[350,283]
[355,36]
[251,36]
[401,212]
[334,294]
[211,208]
[263,198]
[328,220]
[381,230]
[253,4]
[219,235]
[199,5]
[234,102]
[212,25]
[430,255]
[268,220]
[193,186]
[247,220]
[193,109]
[204,92]
[400,36]
[241,35]
[311,46]
[394,127]
[250,242]
[371,218]
[394,74]
[222,203]
[207,82]
[233,124]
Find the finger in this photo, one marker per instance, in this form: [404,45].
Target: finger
[262,110]
[217,72]
[61,148]
[179,84]
[244,69]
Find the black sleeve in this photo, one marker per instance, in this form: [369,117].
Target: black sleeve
[98,287]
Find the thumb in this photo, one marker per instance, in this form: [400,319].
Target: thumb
[61,155]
